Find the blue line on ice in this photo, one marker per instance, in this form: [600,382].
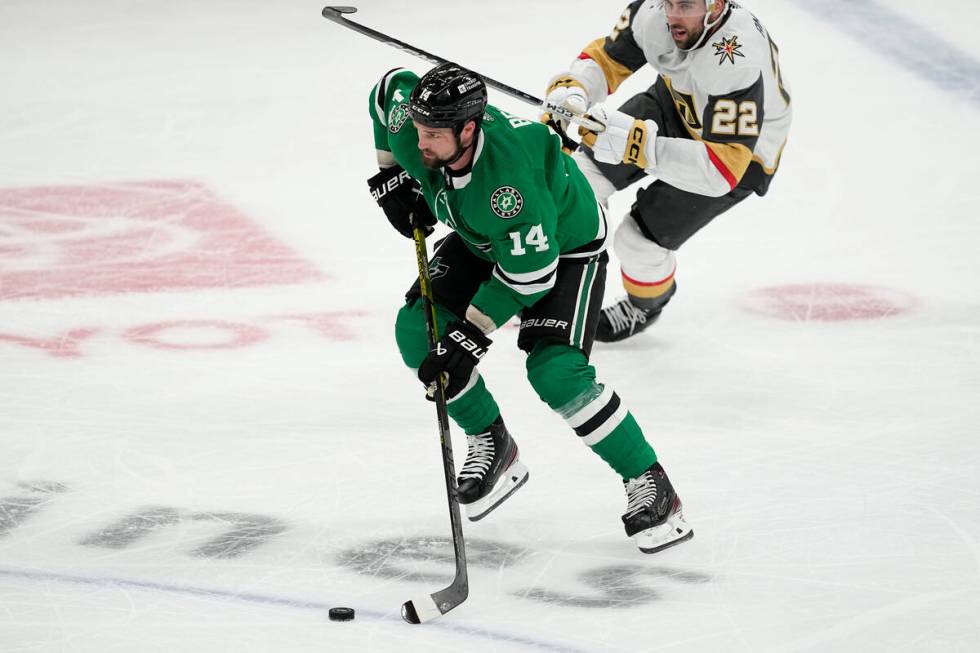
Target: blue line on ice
[264,599]
[903,42]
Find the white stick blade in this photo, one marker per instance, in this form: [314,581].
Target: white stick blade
[417,611]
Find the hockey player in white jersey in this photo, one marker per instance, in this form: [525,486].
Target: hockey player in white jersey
[711,131]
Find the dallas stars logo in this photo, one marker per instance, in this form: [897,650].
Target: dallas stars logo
[727,49]
[397,118]
[437,268]
[506,201]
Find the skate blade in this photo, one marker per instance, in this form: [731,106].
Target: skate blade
[516,476]
[671,533]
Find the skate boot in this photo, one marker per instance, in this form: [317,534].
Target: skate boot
[492,471]
[624,318]
[653,512]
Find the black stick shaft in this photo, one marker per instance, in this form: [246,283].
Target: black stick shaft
[337,15]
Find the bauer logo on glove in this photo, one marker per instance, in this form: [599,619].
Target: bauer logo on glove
[473,348]
[456,354]
[400,197]
[388,185]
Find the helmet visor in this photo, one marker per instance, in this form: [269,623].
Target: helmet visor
[685,8]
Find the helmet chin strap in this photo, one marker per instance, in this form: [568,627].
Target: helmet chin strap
[460,150]
[709,26]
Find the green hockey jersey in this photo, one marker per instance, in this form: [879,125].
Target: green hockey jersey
[522,204]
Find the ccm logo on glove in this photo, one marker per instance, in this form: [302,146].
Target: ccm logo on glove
[635,145]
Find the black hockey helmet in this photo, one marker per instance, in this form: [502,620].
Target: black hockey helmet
[448,96]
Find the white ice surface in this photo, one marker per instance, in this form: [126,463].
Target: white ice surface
[831,470]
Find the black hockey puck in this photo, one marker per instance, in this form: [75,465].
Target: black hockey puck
[341,614]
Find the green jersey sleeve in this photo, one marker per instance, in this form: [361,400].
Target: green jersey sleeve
[387,104]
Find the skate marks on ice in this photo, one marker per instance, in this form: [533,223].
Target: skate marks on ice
[430,560]
[888,34]
[32,497]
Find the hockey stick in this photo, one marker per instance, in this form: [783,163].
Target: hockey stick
[336,14]
[416,611]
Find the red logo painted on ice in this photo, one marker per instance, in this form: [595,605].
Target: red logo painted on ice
[188,334]
[827,302]
[63,241]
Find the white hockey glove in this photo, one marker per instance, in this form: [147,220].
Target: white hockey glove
[566,91]
[625,140]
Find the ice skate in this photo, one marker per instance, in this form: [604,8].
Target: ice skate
[654,518]
[492,471]
[624,319]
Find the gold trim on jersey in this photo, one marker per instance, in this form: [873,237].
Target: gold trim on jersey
[615,72]
[735,156]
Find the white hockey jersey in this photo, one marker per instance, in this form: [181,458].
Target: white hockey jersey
[729,93]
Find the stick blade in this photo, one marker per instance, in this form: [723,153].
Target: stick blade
[335,12]
[418,611]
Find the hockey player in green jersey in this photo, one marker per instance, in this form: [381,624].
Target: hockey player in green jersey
[528,240]
[710,131]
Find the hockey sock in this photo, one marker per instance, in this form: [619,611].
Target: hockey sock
[650,296]
[625,449]
[563,378]
[474,409]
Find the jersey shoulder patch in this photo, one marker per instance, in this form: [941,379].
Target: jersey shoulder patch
[397,116]
[393,89]
[729,61]
[727,49]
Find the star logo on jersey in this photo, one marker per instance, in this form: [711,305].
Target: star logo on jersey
[727,49]
[397,118]
[506,201]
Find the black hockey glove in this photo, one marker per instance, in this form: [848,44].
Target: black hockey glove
[456,354]
[400,197]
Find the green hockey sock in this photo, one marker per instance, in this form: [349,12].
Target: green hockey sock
[625,449]
[474,409]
